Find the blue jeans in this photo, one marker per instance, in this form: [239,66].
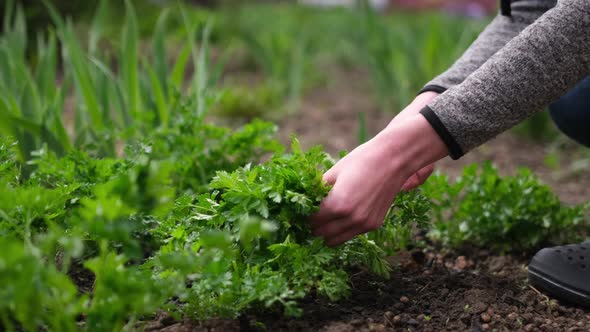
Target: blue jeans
[571,113]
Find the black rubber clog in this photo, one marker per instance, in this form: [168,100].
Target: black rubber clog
[563,272]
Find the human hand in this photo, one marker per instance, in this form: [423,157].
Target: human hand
[366,181]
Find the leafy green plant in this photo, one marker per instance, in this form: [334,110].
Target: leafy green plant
[241,243]
[505,213]
[249,245]
[34,293]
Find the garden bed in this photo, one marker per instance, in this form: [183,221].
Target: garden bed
[433,290]
[133,194]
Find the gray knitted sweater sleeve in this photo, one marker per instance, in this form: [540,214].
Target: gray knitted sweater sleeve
[536,67]
[499,32]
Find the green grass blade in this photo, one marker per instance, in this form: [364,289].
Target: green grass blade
[178,71]
[83,79]
[28,95]
[45,73]
[201,62]
[129,63]
[19,33]
[200,57]
[159,98]
[9,113]
[115,88]
[98,26]
[8,71]
[54,14]
[6,128]
[8,12]
[159,50]
[196,85]
[55,120]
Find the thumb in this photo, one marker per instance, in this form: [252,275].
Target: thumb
[330,176]
[418,178]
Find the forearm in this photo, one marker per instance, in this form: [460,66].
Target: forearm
[496,35]
[534,69]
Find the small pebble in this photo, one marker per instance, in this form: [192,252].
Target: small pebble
[412,322]
[404,299]
[546,327]
[357,322]
[461,263]
[486,318]
[485,327]
[479,307]
[512,316]
[529,327]
[397,320]
[377,327]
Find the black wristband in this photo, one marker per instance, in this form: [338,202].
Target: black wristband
[455,150]
[432,87]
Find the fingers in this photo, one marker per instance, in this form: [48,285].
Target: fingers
[334,222]
[343,237]
[332,228]
[418,178]
[411,183]
[331,208]
[339,231]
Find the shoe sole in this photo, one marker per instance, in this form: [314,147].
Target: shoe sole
[557,289]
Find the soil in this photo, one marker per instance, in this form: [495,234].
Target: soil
[432,289]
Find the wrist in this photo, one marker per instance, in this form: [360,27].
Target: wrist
[412,144]
[415,106]
[424,98]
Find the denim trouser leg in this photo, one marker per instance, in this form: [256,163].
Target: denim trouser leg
[571,113]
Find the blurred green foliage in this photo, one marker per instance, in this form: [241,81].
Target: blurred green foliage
[38,18]
[506,213]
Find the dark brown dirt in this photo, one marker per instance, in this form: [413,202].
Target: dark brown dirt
[432,290]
